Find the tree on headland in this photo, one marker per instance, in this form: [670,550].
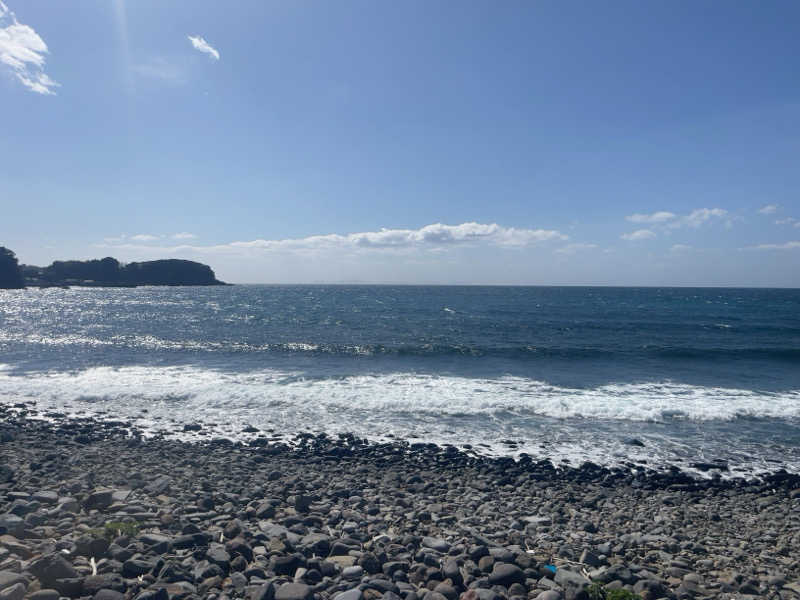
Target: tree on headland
[110,272]
[10,274]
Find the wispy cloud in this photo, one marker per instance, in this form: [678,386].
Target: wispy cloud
[147,237]
[785,246]
[571,249]
[768,209]
[160,68]
[639,234]
[435,236]
[671,220]
[656,217]
[203,46]
[676,248]
[698,217]
[23,51]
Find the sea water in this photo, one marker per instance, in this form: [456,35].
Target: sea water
[644,376]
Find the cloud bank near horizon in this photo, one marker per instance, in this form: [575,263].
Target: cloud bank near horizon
[434,236]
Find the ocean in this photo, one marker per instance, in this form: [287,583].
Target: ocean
[647,377]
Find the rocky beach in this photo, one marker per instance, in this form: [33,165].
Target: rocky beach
[92,509]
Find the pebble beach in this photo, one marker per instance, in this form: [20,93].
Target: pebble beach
[92,509]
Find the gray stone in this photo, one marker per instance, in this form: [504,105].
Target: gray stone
[353,572]
[265,592]
[354,594]
[572,583]
[451,571]
[106,594]
[649,589]
[437,544]
[294,591]
[12,524]
[14,592]
[446,590]
[45,496]
[45,595]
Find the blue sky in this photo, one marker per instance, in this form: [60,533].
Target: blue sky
[622,143]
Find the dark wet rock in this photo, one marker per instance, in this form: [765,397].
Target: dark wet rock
[191,540]
[160,544]
[104,581]
[287,565]
[99,499]
[50,568]
[133,567]
[6,472]
[91,546]
[505,574]
[153,594]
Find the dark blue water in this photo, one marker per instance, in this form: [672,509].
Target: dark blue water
[565,372]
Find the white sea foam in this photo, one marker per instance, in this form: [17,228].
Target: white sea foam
[139,386]
[547,420]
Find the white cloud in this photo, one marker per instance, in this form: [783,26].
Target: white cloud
[436,234]
[23,51]
[786,246]
[571,249]
[702,215]
[432,236]
[786,221]
[203,46]
[183,236]
[639,234]
[656,217]
[768,209]
[679,248]
[670,220]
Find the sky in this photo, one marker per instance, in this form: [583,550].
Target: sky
[542,143]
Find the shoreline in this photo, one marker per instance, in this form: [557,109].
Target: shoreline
[643,470]
[341,515]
